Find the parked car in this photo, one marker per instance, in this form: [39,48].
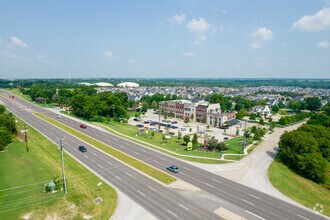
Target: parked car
[160,131]
[154,123]
[83,126]
[136,119]
[174,127]
[173,168]
[225,138]
[182,129]
[171,133]
[82,149]
[153,129]
[146,122]
[174,122]
[140,125]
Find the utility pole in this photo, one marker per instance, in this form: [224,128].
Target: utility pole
[158,120]
[26,138]
[63,173]
[244,137]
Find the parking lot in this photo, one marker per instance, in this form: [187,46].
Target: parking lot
[157,123]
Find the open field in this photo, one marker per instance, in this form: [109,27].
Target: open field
[300,189]
[23,175]
[149,170]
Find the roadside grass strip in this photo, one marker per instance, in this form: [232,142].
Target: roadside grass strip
[145,168]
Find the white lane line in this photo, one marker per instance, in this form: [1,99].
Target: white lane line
[303,217]
[181,172]
[183,207]
[186,168]
[128,174]
[99,165]
[254,196]
[216,181]
[247,201]
[155,161]
[143,150]
[172,213]
[141,193]
[109,163]
[86,156]
[255,215]
[152,188]
[209,185]
[137,153]
[95,154]
[117,177]
[162,158]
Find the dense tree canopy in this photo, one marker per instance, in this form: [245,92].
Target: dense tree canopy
[224,101]
[7,127]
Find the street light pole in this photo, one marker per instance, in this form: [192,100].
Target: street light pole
[63,173]
[26,138]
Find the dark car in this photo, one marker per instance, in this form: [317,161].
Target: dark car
[140,125]
[174,127]
[173,168]
[83,126]
[225,138]
[174,122]
[154,123]
[136,119]
[82,148]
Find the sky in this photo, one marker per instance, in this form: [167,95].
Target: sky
[165,39]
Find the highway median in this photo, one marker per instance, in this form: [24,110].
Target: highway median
[137,164]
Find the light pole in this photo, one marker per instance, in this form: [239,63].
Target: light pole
[62,160]
[113,111]
[26,138]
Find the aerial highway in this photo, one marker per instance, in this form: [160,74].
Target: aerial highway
[255,204]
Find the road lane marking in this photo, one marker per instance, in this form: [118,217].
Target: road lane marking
[137,153]
[183,207]
[141,193]
[95,154]
[109,163]
[209,185]
[216,181]
[117,177]
[186,168]
[128,174]
[155,161]
[247,201]
[172,213]
[255,215]
[99,165]
[143,150]
[303,217]
[162,158]
[254,196]
[152,188]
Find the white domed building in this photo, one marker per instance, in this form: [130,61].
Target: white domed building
[103,84]
[128,85]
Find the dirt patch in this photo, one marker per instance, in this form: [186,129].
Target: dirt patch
[26,216]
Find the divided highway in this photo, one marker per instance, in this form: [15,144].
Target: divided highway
[256,204]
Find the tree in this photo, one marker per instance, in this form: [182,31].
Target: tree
[179,134]
[5,137]
[313,103]
[154,105]
[241,113]
[2,109]
[326,109]
[275,108]
[195,140]
[252,116]
[192,116]
[261,121]
[186,139]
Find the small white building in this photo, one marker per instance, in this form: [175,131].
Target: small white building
[262,110]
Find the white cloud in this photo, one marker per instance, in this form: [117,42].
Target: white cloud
[18,42]
[255,45]
[317,22]
[323,44]
[263,34]
[108,54]
[132,61]
[200,27]
[189,54]
[42,58]
[327,2]
[179,19]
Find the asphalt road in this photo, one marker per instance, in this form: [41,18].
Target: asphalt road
[160,201]
[256,204]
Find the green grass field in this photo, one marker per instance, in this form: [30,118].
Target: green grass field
[149,170]
[300,189]
[23,175]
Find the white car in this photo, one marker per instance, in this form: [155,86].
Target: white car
[182,129]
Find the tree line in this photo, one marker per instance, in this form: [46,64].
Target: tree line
[307,149]
[7,127]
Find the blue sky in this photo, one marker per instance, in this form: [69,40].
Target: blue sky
[172,38]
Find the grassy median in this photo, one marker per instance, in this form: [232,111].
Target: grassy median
[145,168]
[23,175]
[300,189]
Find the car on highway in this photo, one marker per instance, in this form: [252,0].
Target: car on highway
[82,149]
[173,168]
[83,126]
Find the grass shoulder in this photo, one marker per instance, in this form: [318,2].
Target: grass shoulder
[300,189]
[23,175]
